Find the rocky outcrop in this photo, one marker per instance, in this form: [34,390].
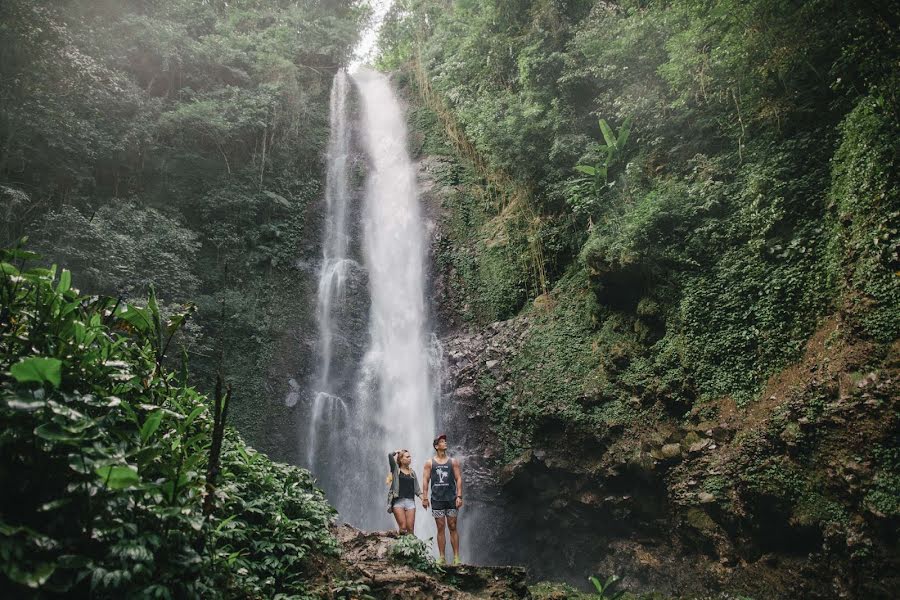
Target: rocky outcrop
[367,559]
[719,500]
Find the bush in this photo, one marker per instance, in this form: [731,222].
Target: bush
[104,455]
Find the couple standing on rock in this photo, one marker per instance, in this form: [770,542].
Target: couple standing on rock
[443,478]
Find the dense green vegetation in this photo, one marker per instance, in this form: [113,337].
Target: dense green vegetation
[106,463]
[175,144]
[756,193]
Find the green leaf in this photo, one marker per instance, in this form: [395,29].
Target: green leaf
[151,425]
[607,133]
[8,269]
[190,418]
[623,134]
[65,281]
[38,369]
[277,199]
[592,171]
[27,405]
[80,464]
[33,579]
[54,433]
[138,317]
[117,477]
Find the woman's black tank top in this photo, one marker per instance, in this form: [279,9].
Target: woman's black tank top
[406,486]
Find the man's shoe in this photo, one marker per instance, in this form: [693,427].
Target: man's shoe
[456,560]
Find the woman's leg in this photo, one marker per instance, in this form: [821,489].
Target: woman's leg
[399,517]
[410,520]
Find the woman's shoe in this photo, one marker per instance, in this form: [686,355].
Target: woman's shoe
[456,560]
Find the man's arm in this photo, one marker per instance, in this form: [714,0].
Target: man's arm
[457,473]
[426,486]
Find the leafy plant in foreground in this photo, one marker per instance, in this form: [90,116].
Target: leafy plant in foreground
[605,589]
[413,552]
[104,455]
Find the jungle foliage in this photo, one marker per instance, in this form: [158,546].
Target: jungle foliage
[755,190]
[176,144]
[105,455]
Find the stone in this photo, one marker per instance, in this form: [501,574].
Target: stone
[705,497]
[671,450]
[699,445]
[465,392]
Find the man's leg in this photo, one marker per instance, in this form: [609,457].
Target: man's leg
[441,522]
[454,536]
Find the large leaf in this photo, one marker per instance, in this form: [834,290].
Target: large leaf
[65,281]
[151,425]
[592,171]
[623,134]
[33,578]
[118,477]
[138,317]
[277,199]
[36,368]
[53,432]
[607,133]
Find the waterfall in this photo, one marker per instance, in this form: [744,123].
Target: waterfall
[397,379]
[327,406]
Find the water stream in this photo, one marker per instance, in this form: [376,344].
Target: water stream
[396,386]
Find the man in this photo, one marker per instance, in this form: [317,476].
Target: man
[443,480]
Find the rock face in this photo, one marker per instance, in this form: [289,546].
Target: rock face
[684,506]
[776,499]
[367,558]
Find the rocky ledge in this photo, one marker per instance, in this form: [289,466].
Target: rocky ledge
[368,560]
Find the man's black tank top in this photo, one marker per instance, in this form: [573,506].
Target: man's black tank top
[443,484]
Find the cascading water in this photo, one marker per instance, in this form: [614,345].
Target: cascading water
[396,392]
[392,403]
[327,405]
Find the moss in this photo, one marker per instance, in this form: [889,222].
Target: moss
[699,520]
[866,196]
[883,496]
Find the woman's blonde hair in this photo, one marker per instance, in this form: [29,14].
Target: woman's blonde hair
[390,476]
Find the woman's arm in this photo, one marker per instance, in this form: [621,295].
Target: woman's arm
[392,461]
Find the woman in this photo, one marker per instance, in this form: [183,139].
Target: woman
[404,489]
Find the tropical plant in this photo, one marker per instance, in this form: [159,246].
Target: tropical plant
[612,152]
[413,552]
[605,589]
[106,457]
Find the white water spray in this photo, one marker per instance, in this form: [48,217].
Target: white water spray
[397,387]
[392,404]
